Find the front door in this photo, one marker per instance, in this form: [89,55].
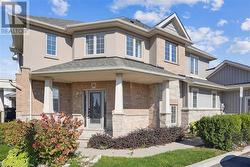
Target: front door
[95,109]
[247,104]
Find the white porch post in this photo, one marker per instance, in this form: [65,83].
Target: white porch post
[241,97]
[118,115]
[165,112]
[48,96]
[118,94]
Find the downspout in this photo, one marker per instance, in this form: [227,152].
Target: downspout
[241,96]
[15,85]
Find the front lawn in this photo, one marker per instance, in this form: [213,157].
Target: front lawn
[176,158]
[4,149]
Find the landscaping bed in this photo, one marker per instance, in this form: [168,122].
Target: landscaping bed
[176,158]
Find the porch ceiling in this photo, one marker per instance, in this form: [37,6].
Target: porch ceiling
[104,75]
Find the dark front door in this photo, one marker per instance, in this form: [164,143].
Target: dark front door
[95,109]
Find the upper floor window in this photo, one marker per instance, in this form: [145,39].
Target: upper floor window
[195,98]
[194,65]
[170,52]
[95,44]
[56,103]
[51,44]
[134,46]
[214,101]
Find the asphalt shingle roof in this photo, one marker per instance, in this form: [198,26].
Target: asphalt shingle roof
[54,21]
[104,62]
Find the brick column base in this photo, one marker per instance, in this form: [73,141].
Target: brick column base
[165,119]
[118,121]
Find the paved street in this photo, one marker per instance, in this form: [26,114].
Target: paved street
[242,161]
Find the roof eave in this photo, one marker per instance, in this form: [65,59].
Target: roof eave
[199,52]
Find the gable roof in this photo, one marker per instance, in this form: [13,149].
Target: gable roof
[228,62]
[174,19]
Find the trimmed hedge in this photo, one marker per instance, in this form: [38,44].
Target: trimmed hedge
[138,139]
[224,131]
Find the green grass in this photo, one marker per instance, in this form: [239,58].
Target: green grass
[176,158]
[4,149]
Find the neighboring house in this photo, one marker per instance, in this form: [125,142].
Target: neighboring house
[236,79]
[7,97]
[117,75]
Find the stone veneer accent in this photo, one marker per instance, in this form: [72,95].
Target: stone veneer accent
[191,115]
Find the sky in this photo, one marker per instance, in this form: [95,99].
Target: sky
[219,27]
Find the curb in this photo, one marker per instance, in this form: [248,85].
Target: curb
[220,158]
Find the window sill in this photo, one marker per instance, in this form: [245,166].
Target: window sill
[170,62]
[51,57]
[134,58]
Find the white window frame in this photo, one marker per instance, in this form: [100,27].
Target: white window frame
[58,99]
[134,47]
[94,44]
[192,97]
[170,51]
[176,114]
[194,57]
[46,47]
[246,98]
[216,99]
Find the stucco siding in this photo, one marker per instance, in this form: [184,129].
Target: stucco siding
[203,65]
[34,49]
[114,44]
[229,75]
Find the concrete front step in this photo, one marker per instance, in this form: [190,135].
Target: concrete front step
[86,135]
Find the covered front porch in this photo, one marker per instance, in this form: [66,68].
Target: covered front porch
[117,100]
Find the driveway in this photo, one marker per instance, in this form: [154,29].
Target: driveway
[239,161]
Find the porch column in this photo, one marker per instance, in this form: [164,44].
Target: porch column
[165,112]
[118,94]
[118,115]
[48,96]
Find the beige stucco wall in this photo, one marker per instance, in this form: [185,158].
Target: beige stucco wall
[114,44]
[180,66]
[34,49]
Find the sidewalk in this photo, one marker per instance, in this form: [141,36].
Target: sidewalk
[141,152]
[221,158]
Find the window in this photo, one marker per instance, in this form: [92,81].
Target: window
[130,45]
[214,99]
[56,103]
[95,44]
[194,65]
[138,48]
[195,98]
[170,52]
[134,46]
[100,44]
[173,114]
[51,44]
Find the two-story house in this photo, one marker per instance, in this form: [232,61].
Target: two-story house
[117,75]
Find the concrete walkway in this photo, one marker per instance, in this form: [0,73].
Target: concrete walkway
[215,161]
[141,152]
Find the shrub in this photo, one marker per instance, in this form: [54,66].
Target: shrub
[17,158]
[100,141]
[56,138]
[137,139]
[193,128]
[18,134]
[245,127]
[221,131]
